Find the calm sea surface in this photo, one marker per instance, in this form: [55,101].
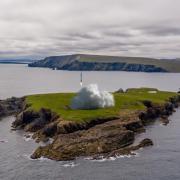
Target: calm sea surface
[162,161]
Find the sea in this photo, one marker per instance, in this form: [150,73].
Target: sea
[159,162]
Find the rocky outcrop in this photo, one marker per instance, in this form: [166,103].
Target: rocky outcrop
[107,137]
[127,150]
[156,111]
[10,106]
[33,121]
[99,139]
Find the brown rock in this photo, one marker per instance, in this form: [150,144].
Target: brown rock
[164,120]
[99,139]
[145,142]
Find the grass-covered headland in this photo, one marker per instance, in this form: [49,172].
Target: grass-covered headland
[86,62]
[99,132]
[130,100]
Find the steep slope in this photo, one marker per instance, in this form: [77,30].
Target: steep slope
[108,63]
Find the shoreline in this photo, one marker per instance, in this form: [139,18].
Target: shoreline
[124,136]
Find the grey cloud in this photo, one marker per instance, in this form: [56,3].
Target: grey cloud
[162,30]
[39,28]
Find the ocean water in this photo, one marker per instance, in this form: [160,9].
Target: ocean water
[18,80]
[162,161]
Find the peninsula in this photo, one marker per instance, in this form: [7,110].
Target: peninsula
[97,132]
[84,62]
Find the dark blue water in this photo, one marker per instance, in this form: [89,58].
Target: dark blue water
[162,161]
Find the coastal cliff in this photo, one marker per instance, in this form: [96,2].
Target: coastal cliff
[93,134]
[81,62]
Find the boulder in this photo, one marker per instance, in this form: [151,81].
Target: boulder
[145,142]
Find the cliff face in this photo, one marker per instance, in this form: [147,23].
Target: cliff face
[95,66]
[98,63]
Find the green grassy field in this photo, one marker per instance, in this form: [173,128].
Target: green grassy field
[131,100]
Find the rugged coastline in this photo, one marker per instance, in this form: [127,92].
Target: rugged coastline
[87,62]
[100,137]
[11,106]
[99,66]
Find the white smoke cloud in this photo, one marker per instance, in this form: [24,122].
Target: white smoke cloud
[90,97]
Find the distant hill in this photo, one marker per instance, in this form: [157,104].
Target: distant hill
[15,61]
[85,62]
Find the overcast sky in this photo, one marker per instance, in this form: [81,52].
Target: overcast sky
[39,28]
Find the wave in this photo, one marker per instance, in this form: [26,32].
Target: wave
[71,164]
[113,158]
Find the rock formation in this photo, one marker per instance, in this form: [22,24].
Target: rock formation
[99,137]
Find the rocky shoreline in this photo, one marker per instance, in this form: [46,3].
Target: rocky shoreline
[11,106]
[101,137]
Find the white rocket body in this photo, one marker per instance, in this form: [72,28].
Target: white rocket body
[81,83]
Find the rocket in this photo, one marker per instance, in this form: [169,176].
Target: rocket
[81,83]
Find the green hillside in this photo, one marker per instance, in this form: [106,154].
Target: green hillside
[171,65]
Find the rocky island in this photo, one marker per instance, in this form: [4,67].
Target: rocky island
[85,62]
[99,132]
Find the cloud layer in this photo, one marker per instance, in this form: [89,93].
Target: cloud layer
[39,28]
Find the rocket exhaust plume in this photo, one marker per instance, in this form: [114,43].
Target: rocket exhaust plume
[90,97]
